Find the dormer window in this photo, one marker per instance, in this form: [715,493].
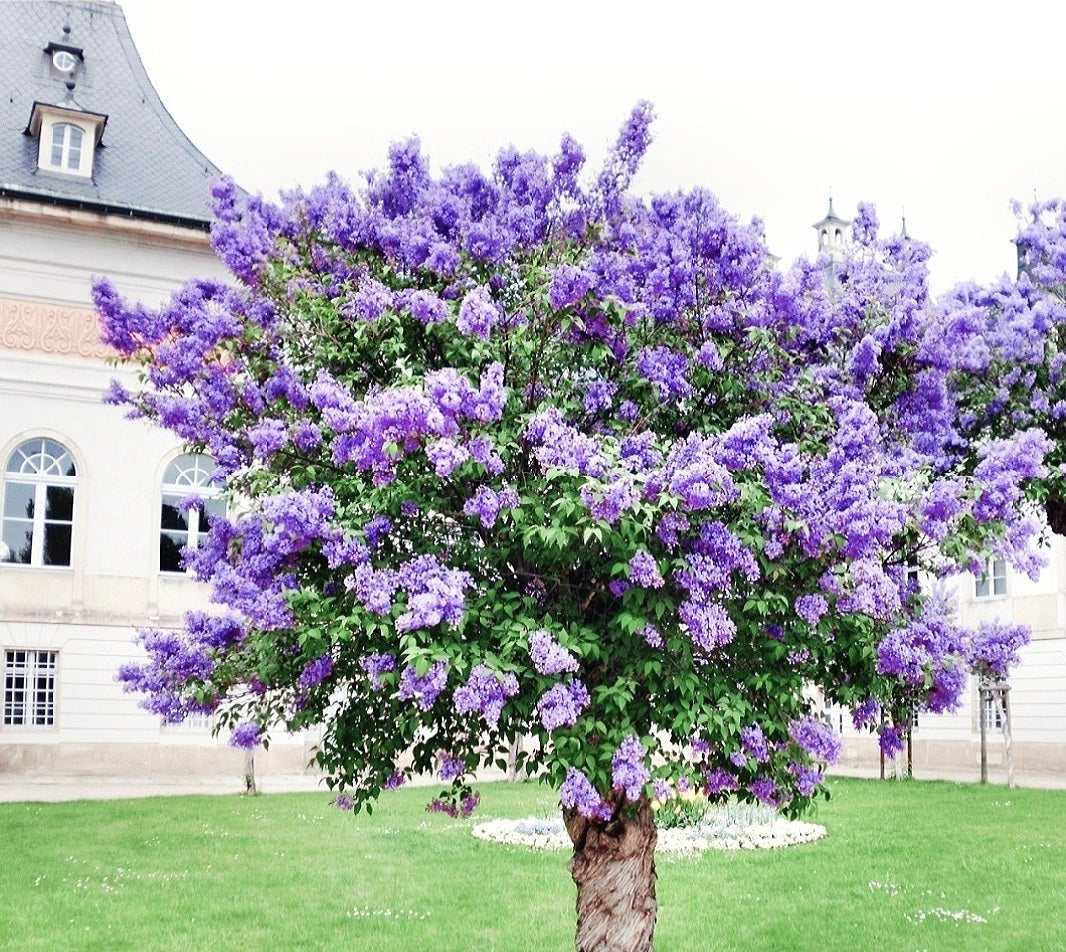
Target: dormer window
[64,60]
[67,136]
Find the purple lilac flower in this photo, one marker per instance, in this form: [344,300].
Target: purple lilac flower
[811,608]
[891,740]
[485,691]
[477,314]
[562,704]
[446,456]
[307,436]
[579,795]
[423,690]
[652,636]
[548,656]
[719,781]
[486,504]
[267,437]
[753,742]
[435,593]
[866,713]
[644,570]
[568,285]
[369,302]
[245,735]
[628,771]
[765,790]
[315,672]
[344,801]
[598,395]
[817,738]
[394,781]
[708,625]
[375,665]
[808,779]
[426,306]
[993,649]
[449,767]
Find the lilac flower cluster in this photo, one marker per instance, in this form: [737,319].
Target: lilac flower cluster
[561,705]
[993,648]
[465,806]
[486,504]
[754,744]
[628,770]
[174,664]
[817,738]
[449,767]
[548,656]
[315,672]
[375,665]
[423,689]
[486,692]
[579,795]
[245,735]
[435,593]
[644,570]
[811,608]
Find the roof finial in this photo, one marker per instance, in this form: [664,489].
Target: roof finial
[903,232]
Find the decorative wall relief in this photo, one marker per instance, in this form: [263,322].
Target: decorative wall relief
[50,329]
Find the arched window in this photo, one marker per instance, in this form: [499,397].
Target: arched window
[190,502]
[66,146]
[39,484]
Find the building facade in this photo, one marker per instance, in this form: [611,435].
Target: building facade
[95,179]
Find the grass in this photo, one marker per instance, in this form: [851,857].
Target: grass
[906,866]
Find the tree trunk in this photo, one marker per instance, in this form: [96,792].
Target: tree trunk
[249,772]
[614,868]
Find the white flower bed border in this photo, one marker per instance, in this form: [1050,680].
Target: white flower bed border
[550,834]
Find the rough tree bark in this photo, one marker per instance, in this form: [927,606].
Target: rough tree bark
[613,867]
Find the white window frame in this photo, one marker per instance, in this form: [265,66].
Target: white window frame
[993,583]
[41,464]
[70,146]
[29,688]
[186,475]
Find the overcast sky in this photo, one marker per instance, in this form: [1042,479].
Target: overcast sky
[943,111]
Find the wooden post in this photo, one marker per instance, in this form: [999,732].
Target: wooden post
[982,691]
[1003,702]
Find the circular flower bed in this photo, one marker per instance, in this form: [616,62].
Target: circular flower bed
[735,829]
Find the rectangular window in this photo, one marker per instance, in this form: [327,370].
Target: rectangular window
[993,713]
[994,581]
[29,688]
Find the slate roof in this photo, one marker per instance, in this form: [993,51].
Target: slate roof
[145,167]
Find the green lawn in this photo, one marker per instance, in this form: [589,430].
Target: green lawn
[906,866]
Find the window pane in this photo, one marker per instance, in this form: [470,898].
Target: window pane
[56,544]
[172,517]
[213,508]
[60,504]
[74,154]
[17,545]
[57,145]
[170,546]
[18,500]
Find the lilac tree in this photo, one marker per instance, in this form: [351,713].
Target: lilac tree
[518,453]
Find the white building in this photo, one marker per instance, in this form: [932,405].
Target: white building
[95,179]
